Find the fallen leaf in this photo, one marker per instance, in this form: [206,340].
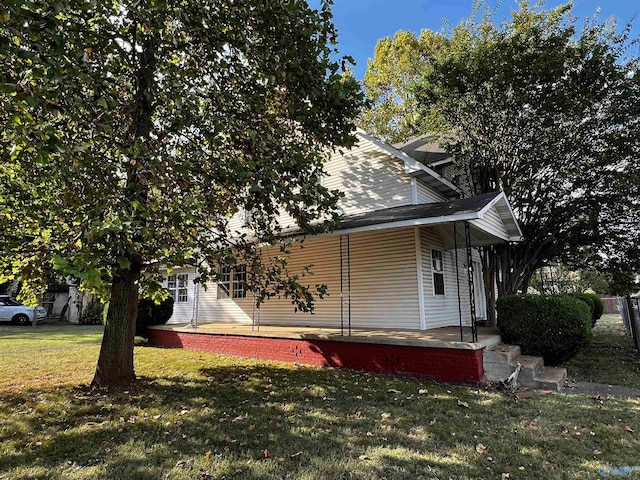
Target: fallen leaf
[597,452]
[294,455]
[432,422]
[545,392]
[208,454]
[524,395]
[627,428]
[393,390]
[364,457]
[265,453]
[482,449]
[505,476]
[422,391]
[369,434]
[385,415]
[463,404]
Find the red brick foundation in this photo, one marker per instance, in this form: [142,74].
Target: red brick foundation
[443,364]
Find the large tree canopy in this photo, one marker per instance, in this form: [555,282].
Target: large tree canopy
[534,106]
[134,131]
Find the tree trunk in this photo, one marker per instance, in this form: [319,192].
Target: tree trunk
[115,363]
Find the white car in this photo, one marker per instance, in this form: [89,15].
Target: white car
[16,313]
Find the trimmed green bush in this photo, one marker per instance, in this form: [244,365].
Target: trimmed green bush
[599,306]
[583,297]
[150,313]
[552,326]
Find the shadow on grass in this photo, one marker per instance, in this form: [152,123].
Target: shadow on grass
[265,421]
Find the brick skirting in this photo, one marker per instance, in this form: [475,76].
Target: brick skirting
[443,364]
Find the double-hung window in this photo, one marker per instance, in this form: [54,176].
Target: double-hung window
[437,268]
[178,287]
[233,282]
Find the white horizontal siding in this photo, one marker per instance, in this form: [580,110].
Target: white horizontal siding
[212,309]
[442,310]
[426,194]
[384,285]
[370,178]
[492,223]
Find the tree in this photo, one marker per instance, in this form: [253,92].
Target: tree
[549,115]
[394,114]
[133,132]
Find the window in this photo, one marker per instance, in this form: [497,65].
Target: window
[438,272]
[224,284]
[178,287]
[247,217]
[240,282]
[233,282]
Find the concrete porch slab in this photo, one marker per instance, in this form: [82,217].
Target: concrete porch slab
[443,337]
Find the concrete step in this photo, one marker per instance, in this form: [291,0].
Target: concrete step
[552,378]
[532,367]
[502,354]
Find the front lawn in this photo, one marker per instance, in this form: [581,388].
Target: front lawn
[611,358]
[200,416]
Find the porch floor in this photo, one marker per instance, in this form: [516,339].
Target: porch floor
[443,337]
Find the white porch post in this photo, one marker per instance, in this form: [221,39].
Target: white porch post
[423,316]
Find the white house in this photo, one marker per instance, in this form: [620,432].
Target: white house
[393,262]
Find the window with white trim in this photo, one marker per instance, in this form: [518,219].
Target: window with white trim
[233,282]
[178,287]
[437,268]
[240,282]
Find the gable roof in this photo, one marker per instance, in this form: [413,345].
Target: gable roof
[425,149]
[415,168]
[481,211]
[463,209]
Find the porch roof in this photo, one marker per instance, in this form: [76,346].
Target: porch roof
[473,209]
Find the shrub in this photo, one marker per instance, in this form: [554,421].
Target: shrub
[554,326]
[151,313]
[588,299]
[599,306]
[92,313]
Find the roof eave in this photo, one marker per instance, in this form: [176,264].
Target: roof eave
[411,165]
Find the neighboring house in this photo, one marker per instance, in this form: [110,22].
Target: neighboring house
[393,262]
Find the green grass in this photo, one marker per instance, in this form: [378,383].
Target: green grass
[200,416]
[611,358]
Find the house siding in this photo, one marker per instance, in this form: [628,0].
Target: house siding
[384,284]
[426,194]
[370,178]
[442,310]
[492,223]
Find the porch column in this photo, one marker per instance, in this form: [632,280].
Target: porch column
[457,268]
[345,284]
[472,294]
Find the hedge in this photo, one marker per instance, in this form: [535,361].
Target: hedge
[552,326]
[588,299]
[150,313]
[599,306]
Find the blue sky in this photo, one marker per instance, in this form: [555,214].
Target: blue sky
[361,23]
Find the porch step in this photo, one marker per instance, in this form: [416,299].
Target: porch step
[501,361]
